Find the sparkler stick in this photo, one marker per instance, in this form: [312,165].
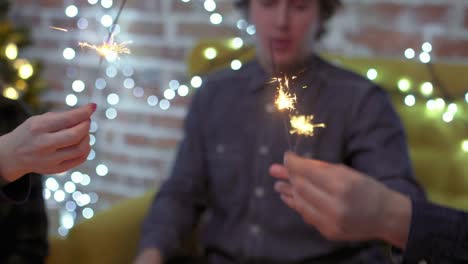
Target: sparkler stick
[108,40]
[284,102]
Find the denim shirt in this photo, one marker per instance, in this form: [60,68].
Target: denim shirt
[233,133]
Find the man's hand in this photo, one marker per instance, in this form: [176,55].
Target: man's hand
[45,144]
[149,256]
[342,203]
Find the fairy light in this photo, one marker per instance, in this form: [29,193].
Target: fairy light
[11,51]
[78,86]
[25,71]
[113,99]
[464,145]
[71,11]
[410,53]
[427,88]
[210,53]
[209,5]
[69,53]
[372,74]
[102,170]
[11,93]
[111,113]
[236,65]
[425,57]
[410,100]
[71,100]
[236,43]
[197,82]
[152,100]
[404,85]
[426,47]
[216,19]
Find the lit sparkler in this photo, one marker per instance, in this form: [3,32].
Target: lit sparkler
[285,99]
[302,125]
[108,48]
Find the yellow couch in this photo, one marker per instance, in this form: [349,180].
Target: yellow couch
[440,164]
[111,236]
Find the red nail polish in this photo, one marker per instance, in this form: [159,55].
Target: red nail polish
[94,107]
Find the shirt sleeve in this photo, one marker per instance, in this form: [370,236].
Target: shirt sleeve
[437,235]
[181,199]
[377,142]
[27,227]
[15,192]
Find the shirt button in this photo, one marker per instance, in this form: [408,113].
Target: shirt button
[259,192]
[220,148]
[254,229]
[269,108]
[264,150]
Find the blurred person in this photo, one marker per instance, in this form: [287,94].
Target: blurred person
[233,134]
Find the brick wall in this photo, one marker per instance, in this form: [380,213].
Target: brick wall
[139,145]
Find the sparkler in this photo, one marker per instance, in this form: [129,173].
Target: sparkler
[108,48]
[285,99]
[303,125]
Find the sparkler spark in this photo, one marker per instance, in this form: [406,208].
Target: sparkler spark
[109,48]
[59,28]
[285,99]
[302,125]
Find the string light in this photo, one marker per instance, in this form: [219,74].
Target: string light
[372,74]
[464,145]
[410,100]
[410,53]
[404,85]
[427,88]
[11,93]
[210,53]
[236,65]
[11,51]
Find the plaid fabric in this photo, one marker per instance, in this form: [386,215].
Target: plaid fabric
[23,226]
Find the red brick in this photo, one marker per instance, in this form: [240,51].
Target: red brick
[142,141]
[450,48]
[385,42]
[206,30]
[419,13]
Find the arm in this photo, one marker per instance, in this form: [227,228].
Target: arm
[182,197]
[48,143]
[346,205]
[438,234]
[376,143]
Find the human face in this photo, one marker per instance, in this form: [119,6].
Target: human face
[285,29]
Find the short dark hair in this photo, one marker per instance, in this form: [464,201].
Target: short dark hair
[327,9]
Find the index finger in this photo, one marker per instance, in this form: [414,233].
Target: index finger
[313,171]
[59,121]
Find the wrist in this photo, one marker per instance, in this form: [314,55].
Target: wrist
[396,219]
[9,168]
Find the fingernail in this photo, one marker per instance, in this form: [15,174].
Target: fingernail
[93,107]
[285,157]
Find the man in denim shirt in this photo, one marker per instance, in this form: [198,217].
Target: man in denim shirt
[233,134]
